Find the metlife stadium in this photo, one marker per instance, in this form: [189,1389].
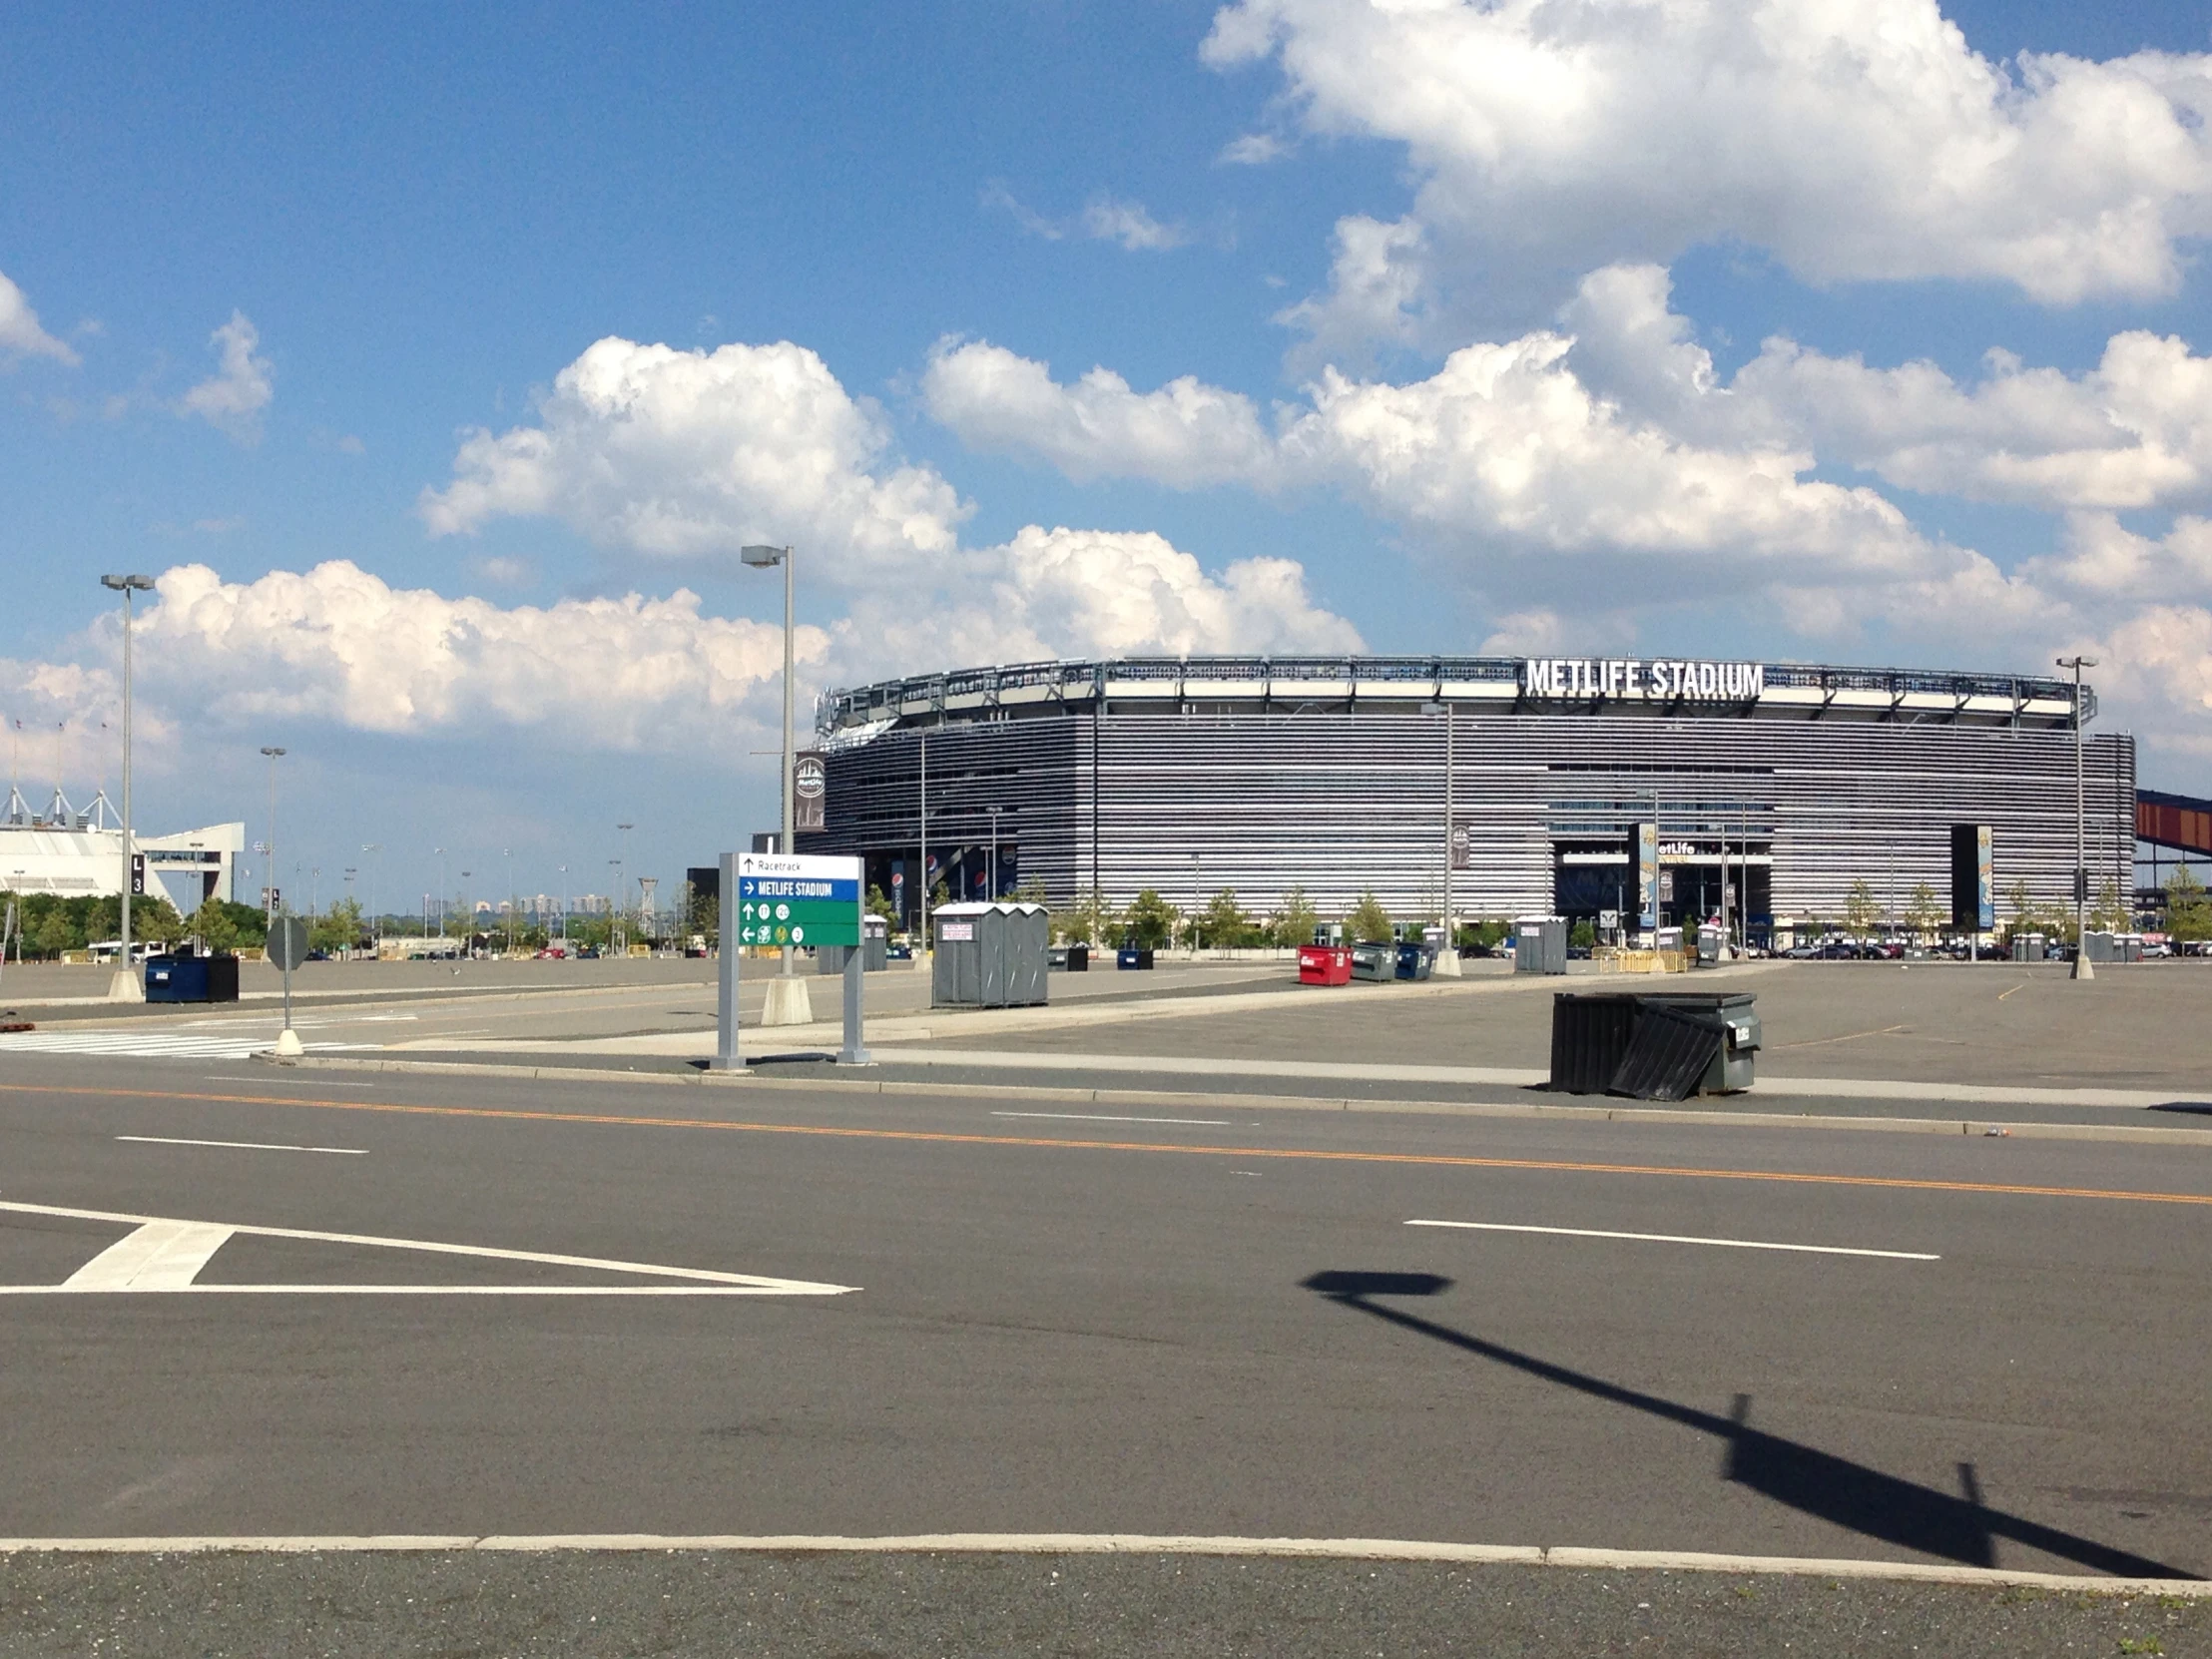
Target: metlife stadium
[1553,785]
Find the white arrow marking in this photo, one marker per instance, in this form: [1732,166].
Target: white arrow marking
[165,1254]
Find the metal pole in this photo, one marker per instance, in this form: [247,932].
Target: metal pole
[2081,966]
[855,1051]
[1452,935]
[727,1057]
[921,876]
[788,848]
[994,856]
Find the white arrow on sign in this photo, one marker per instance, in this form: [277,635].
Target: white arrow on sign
[162,1253]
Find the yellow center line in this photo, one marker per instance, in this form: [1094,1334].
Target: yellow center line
[1426,1160]
[2021,986]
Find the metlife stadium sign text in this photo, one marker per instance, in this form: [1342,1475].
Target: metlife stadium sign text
[1639,680]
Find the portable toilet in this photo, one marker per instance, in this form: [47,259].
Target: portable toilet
[989,955]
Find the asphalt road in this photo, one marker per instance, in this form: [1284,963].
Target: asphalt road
[1093,1323]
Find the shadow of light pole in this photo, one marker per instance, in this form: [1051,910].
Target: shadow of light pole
[1815,1482]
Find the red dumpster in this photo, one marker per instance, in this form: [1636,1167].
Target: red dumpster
[1324,964]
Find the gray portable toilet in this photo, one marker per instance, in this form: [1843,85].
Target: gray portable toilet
[875,940]
[989,955]
[1540,944]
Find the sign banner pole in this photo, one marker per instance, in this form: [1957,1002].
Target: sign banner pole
[727,1057]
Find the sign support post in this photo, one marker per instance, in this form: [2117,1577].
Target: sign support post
[287,947]
[727,1057]
[854,1052]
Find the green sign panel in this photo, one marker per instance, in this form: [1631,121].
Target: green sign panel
[799,902]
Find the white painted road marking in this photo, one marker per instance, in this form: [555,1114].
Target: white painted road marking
[159,1256]
[151,1045]
[1100,1117]
[1678,1237]
[165,1254]
[245,1146]
[1115,1543]
[319,1081]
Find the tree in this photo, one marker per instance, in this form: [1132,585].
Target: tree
[337,928]
[1092,921]
[2108,915]
[52,935]
[2188,910]
[1861,912]
[1222,923]
[1923,916]
[1295,919]
[879,905]
[1369,922]
[2024,907]
[1583,936]
[1150,923]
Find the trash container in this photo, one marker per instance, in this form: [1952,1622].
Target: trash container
[1129,957]
[1414,962]
[1654,1046]
[1540,944]
[989,955]
[192,979]
[1376,962]
[1324,964]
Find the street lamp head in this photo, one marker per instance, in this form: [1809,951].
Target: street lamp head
[762,558]
[133,584]
[272,753]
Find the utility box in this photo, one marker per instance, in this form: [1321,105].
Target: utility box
[875,948]
[1540,944]
[989,955]
[189,978]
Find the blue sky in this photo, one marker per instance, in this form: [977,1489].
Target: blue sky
[415,223]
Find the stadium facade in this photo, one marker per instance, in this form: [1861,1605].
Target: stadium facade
[1551,785]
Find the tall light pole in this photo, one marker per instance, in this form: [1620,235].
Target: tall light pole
[790,1006]
[564,906]
[993,810]
[621,882]
[507,855]
[440,852]
[268,904]
[2081,967]
[126,986]
[375,849]
[468,919]
[921,876]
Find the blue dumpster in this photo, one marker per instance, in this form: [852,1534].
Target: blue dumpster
[184,978]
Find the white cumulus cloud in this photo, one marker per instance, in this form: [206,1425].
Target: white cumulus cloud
[1855,141]
[338,645]
[241,386]
[685,454]
[1184,434]
[19,334]
[670,454]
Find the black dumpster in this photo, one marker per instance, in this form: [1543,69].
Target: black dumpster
[186,978]
[1130,956]
[1653,1045]
[1414,962]
[1069,958]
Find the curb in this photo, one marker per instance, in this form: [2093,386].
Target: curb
[1303,1103]
[1122,1543]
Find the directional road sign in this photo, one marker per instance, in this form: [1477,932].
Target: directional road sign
[801,900]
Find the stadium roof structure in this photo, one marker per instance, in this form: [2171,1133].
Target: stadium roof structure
[1504,684]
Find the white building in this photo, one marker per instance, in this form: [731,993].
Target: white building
[79,855]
